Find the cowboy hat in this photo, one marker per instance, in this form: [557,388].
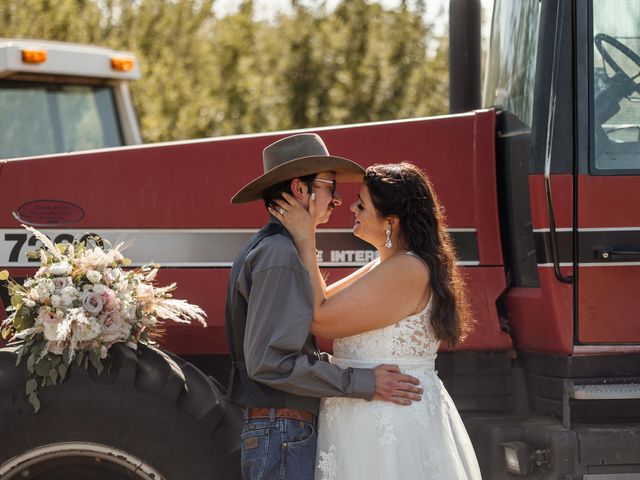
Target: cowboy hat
[296,156]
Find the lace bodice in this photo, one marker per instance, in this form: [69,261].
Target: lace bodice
[411,340]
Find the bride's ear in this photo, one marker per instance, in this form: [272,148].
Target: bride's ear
[394,221]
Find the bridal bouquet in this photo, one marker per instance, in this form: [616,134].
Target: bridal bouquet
[79,303]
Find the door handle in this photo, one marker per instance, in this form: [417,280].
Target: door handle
[610,255]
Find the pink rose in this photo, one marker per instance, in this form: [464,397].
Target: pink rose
[50,323]
[61,282]
[111,327]
[92,302]
[109,298]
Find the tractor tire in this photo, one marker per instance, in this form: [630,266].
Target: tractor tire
[148,416]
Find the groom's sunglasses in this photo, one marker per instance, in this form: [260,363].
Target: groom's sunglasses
[334,184]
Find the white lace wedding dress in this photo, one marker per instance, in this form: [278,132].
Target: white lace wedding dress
[370,440]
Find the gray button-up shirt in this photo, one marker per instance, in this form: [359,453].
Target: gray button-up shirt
[278,349]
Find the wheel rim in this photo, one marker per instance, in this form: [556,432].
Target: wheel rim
[77,460]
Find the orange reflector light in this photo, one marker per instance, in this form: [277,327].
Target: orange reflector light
[33,55]
[122,64]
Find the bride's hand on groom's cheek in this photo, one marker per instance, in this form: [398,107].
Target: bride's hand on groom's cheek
[294,216]
[396,387]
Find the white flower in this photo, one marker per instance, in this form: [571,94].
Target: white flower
[129,311]
[99,289]
[50,323]
[28,302]
[93,276]
[67,299]
[60,268]
[122,285]
[87,330]
[110,274]
[92,302]
[42,290]
[29,283]
[55,300]
[70,291]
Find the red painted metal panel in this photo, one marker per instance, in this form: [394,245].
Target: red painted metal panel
[541,319]
[609,303]
[189,184]
[608,201]
[562,191]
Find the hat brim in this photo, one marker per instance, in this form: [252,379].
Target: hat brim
[345,170]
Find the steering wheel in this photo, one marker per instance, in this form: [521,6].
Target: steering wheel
[621,84]
[601,38]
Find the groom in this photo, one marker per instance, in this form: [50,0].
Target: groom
[278,376]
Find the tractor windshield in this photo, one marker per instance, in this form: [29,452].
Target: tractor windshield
[616,85]
[42,118]
[511,71]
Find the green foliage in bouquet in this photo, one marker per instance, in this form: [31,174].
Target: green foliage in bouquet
[80,302]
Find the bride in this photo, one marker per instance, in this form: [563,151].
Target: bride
[396,309]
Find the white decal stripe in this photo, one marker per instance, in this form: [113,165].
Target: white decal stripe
[593,264]
[589,229]
[213,248]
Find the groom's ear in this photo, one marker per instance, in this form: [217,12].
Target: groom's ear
[298,188]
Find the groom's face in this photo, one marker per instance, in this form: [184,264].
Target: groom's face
[327,198]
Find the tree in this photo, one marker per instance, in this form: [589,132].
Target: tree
[205,76]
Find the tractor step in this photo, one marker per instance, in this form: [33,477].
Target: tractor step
[612,391]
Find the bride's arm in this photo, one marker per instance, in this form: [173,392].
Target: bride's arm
[348,280]
[307,251]
[383,296]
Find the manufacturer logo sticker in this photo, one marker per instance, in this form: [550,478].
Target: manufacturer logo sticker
[42,213]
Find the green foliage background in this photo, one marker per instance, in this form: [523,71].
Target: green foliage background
[207,76]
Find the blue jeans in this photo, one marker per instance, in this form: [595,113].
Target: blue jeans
[278,449]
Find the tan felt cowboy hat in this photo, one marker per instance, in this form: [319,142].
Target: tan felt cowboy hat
[293,157]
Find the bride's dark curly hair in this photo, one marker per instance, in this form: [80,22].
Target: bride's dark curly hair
[404,190]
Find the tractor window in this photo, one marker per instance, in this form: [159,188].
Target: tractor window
[512,57]
[39,118]
[616,86]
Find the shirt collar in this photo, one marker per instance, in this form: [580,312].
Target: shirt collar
[273,219]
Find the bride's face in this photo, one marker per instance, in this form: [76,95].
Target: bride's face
[369,225]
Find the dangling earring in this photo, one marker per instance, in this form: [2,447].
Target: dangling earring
[388,243]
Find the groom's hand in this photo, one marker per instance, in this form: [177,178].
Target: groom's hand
[393,386]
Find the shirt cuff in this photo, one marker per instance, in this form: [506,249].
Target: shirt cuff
[364,383]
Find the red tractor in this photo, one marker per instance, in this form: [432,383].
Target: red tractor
[541,187]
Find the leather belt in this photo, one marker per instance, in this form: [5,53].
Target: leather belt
[281,413]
